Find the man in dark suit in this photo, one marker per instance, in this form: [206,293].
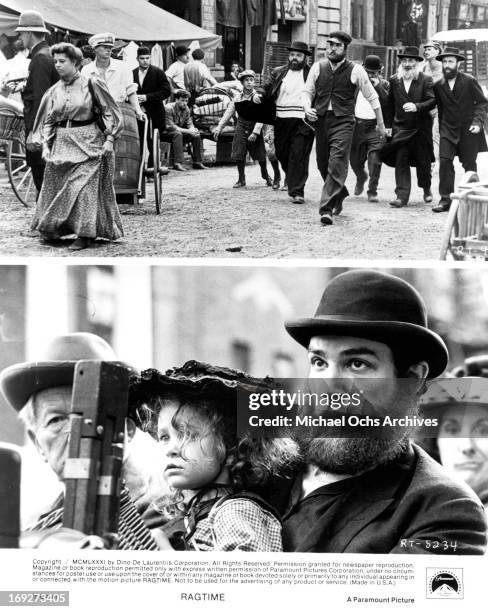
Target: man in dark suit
[410,100]
[376,494]
[42,75]
[153,88]
[293,138]
[462,117]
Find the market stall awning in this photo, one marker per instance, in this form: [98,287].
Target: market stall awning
[128,19]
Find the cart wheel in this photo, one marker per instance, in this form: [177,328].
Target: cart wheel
[19,173]
[158,184]
[452,230]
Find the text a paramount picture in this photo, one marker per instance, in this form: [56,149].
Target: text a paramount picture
[346,456]
[270,129]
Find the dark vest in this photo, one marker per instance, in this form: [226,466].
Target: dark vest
[336,87]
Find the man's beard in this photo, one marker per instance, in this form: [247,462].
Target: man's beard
[337,57]
[351,455]
[450,73]
[413,73]
[296,65]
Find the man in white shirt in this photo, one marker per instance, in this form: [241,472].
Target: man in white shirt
[329,100]
[176,72]
[114,72]
[197,75]
[366,140]
[293,137]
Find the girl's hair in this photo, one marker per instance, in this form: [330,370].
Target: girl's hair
[72,53]
[251,462]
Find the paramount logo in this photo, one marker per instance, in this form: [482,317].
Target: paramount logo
[443,583]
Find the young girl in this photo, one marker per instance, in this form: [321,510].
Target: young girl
[210,472]
[248,135]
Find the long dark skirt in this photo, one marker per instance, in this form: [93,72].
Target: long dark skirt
[77,195]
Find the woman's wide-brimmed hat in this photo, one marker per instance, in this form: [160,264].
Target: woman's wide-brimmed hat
[56,366]
[300,46]
[451,52]
[31,21]
[376,306]
[411,52]
[194,380]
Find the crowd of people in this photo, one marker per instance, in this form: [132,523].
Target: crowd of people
[222,489]
[350,110]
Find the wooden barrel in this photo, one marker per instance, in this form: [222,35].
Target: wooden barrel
[127,153]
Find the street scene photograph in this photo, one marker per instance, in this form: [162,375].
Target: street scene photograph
[235,129]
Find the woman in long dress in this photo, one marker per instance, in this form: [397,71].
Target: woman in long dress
[77,196]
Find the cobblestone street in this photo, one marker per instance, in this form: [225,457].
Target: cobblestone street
[204,217]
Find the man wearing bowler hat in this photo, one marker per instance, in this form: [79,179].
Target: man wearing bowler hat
[462,119]
[42,75]
[383,494]
[329,98]
[293,137]
[40,392]
[366,140]
[411,98]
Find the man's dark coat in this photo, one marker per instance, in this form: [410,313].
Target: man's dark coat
[157,88]
[459,109]
[403,507]
[42,75]
[414,128]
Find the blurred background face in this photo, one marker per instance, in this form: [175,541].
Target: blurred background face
[463,443]
[103,52]
[248,82]
[430,52]
[182,103]
[185,58]
[144,61]
[450,67]
[64,66]
[27,39]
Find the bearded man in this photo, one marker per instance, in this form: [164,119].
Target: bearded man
[376,493]
[293,137]
[329,98]
[462,118]
[411,98]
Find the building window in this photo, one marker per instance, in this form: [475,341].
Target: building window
[358,25]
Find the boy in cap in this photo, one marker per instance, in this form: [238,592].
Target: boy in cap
[248,136]
[366,140]
[176,72]
[376,494]
[462,118]
[42,75]
[329,98]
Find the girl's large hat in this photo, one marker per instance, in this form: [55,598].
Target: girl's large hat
[376,306]
[411,52]
[55,367]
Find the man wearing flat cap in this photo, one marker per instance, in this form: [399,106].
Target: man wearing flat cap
[431,66]
[376,494]
[293,137]
[40,392]
[329,98]
[462,120]
[42,75]
[411,100]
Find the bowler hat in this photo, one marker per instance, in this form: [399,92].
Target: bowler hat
[300,46]
[372,62]
[342,36]
[55,368]
[451,52]
[31,21]
[411,52]
[246,73]
[376,306]
[104,38]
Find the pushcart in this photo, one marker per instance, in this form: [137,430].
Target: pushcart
[208,109]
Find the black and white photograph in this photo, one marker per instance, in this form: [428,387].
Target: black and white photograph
[243,304]
[244,129]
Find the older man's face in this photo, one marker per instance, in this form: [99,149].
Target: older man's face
[50,432]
